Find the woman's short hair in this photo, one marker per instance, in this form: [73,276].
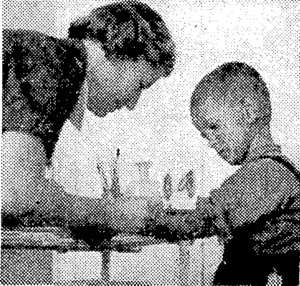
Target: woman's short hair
[128,30]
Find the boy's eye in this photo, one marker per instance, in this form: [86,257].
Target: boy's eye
[144,86]
[213,127]
[203,134]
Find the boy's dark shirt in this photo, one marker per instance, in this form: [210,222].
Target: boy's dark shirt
[253,193]
[255,212]
[257,190]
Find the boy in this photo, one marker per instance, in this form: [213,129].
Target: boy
[256,211]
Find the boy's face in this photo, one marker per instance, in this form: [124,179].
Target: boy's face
[224,128]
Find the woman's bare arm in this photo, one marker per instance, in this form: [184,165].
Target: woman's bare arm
[25,189]
[23,161]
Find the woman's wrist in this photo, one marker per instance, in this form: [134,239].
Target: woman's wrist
[82,211]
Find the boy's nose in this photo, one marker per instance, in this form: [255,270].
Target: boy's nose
[212,145]
[215,145]
[212,142]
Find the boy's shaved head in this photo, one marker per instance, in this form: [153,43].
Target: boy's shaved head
[234,83]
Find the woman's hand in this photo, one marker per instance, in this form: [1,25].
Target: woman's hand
[172,224]
[128,214]
[124,213]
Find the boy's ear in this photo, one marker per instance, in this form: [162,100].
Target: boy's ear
[249,111]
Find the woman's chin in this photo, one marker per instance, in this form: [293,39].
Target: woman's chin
[130,108]
[104,111]
[99,113]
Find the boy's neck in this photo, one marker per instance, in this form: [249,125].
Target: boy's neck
[262,138]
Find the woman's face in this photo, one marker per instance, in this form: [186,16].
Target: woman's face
[117,84]
[132,78]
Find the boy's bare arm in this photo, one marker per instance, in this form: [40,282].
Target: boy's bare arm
[174,225]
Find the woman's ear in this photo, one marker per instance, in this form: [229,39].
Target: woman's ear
[94,50]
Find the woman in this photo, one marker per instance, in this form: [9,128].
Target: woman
[109,58]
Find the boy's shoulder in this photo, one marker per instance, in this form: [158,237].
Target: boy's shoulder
[259,176]
[267,168]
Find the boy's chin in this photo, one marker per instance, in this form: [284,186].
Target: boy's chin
[230,161]
[230,158]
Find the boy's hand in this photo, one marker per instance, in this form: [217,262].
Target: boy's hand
[175,225]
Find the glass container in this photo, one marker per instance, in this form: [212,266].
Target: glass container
[144,186]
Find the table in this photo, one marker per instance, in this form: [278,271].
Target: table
[27,253]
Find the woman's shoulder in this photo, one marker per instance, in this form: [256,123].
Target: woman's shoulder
[40,66]
[42,79]
[33,47]
[33,39]
[11,36]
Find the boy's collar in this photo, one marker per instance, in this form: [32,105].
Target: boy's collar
[269,149]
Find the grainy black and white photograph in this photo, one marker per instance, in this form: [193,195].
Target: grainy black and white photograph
[152,142]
